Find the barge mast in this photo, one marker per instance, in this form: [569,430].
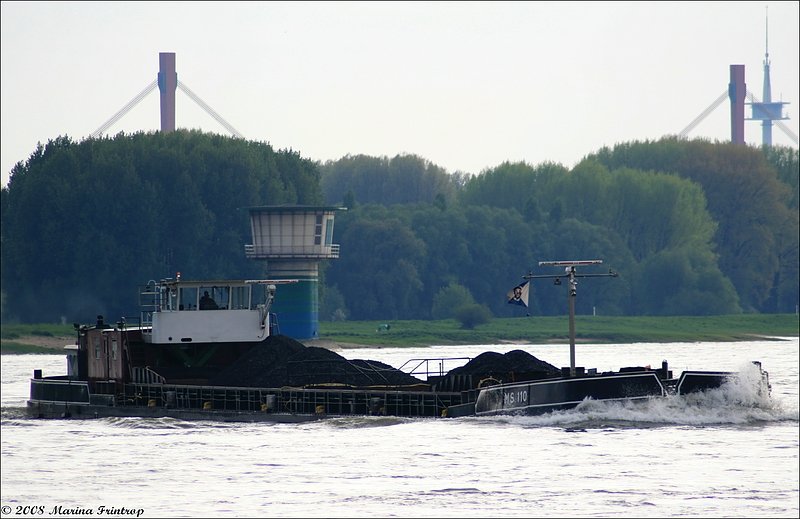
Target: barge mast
[570,272]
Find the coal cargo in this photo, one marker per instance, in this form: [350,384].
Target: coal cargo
[282,361]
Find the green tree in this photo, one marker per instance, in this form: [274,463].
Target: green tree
[745,196]
[449,299]
[472,315]
[402,179]
[509,185]
[786,162]
[380,271]
[332,305]
[684,282]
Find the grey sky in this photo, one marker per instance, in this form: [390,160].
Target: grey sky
[466,85]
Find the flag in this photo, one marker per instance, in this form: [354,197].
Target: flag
[518,295]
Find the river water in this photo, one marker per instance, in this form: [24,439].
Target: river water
[726,454]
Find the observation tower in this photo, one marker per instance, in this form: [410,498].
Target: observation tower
[293,239]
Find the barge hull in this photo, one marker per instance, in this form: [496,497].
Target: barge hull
[66,410]
[543,396]
[59,397]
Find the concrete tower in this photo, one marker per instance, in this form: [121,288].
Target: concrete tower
[737,90]
[167,84]
[294,239]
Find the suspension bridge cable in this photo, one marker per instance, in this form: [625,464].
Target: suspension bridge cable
[713,106]
[125,109]
[209,110]
[789,133]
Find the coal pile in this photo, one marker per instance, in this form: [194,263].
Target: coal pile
[515,365]
[282,361]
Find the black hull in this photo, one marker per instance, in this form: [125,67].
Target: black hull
[542,396]
[69,410]
[693,381]
[59,397]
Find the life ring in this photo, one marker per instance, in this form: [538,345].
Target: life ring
[488,381]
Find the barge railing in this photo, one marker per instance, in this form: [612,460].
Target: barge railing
[375,400]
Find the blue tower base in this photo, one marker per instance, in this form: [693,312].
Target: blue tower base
[297,308]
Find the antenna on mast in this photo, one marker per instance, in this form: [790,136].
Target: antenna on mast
[571,273]
[766,33]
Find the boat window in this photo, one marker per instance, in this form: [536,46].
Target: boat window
[222,295]
[167,298]
[97,347]
[259,294]
[114,349]
[240,298]
[188,299]
[214,298]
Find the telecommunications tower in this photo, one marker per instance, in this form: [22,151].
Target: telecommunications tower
[766,111]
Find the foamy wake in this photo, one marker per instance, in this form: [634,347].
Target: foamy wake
[741,400]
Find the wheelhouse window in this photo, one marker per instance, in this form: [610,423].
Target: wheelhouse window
[188,298]
[214,298]
[240,298]
[259,295]
[168,297]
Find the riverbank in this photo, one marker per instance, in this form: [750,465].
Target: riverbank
[554,329]
[47,338]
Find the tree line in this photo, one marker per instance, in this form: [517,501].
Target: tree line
[692,227]
[84,224]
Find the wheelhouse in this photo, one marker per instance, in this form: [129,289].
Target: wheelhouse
[175,311]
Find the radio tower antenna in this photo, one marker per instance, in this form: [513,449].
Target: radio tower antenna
[766,110]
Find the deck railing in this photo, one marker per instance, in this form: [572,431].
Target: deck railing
[373,401]
[292,251]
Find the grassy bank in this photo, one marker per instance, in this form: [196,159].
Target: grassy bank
[556,329]
[35,338]
[45,338]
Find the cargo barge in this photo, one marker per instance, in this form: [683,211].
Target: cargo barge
[212,350]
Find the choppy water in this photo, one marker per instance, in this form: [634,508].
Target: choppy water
[727,454]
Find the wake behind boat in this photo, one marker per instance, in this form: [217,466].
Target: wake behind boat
[212,349]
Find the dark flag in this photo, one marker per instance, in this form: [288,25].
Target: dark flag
[518,295]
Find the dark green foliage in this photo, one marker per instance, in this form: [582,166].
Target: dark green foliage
[472,315]
[660,230]
[404,179]
[85,223]
[331,306]
[511,185]
[691,227]
[449,299]
[786,162]
[751,195]
[381,271]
